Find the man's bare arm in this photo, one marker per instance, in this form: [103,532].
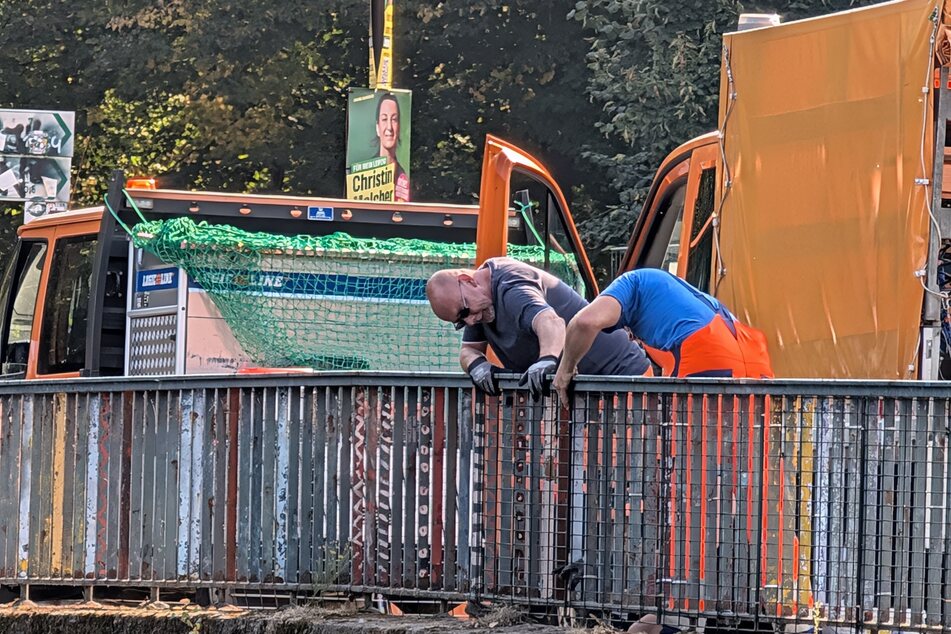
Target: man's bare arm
[550,330]
[603,312]
[470,352]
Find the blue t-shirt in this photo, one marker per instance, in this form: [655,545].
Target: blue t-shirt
[661,309]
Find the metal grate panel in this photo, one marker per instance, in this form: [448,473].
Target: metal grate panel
[152,345]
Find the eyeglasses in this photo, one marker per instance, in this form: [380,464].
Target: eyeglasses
[464,312]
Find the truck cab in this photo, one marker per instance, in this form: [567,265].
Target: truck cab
[79,299]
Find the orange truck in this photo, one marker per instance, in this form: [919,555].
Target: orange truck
[79,299]
[819,210]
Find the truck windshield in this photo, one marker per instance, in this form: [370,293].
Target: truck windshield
[18,299]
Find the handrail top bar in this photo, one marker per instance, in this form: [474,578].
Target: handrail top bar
[458,380]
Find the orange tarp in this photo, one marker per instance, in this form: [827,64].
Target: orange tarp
[824,227]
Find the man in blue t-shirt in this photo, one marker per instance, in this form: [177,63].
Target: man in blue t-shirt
[684,331]
[521,311]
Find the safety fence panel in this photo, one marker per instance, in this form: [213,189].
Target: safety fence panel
[738,505]
[303,484]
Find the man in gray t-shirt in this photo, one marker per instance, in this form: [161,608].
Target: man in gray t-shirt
[521,311]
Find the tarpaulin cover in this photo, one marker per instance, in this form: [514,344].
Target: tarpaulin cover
[824,227]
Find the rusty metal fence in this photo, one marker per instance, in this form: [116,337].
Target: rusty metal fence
[738,506]
[305,486]
[778,506]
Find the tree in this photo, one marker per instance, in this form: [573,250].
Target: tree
[507,67]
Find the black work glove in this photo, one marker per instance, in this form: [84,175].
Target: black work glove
[536,376]
[482,374]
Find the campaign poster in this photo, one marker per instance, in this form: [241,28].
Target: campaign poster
[378,144]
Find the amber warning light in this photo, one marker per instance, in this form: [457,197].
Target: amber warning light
[140,183]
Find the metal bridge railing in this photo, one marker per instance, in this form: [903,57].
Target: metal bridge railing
[713,503]
[729,505]
[301,485]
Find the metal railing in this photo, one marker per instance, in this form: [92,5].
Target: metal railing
[301,484]
[743,505]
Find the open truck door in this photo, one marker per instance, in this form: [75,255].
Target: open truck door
[541,215]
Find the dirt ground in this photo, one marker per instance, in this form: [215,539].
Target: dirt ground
[89,618]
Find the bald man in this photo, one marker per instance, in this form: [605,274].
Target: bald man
[521,311]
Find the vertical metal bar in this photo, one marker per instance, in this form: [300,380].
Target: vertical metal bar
[478,476]
[310,516]
[265,505]
[114,489]
[467,483]
[40,512]
[519,429]
[185,448]
[294,494]
[232,501]
[80,459]
[489,437]
[214,561]
[328,446]
[863,463]
[257,480]
[358,485]
[125,488]
[576,515]
[937,507]
[137,478]
[343,496]
[197,483]
[173,406]
[424,480]
[58,489]
[407,406]
[10,463]
[151,468]
[102,487]
[505,494]
[439,504]
[281,487]
[24,419]
[919,530]
[320,451]
[246,448]
[759,469]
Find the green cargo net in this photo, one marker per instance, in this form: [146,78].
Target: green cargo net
[327,302]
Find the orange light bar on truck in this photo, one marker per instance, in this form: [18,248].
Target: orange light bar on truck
[140,183]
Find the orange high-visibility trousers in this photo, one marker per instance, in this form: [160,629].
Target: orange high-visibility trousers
[715,351]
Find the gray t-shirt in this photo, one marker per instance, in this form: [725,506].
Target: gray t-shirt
[519,293]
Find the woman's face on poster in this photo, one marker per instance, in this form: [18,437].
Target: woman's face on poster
[388,125]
